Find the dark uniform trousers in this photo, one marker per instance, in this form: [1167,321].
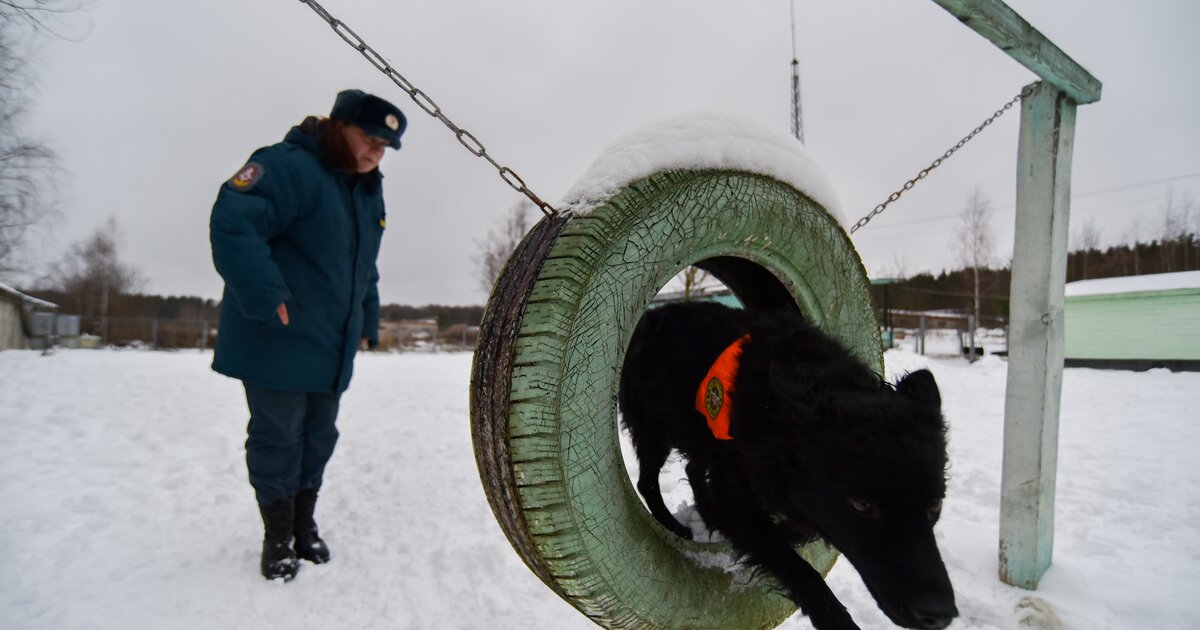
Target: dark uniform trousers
[291,438]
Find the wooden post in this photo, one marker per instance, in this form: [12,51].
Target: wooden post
[1036,347]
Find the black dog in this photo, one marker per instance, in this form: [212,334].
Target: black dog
[815,444]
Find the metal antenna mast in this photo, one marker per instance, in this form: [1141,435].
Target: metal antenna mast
[797,111]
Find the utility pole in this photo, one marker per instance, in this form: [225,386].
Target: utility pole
[797,111]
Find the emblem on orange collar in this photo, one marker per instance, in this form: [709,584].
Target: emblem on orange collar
[713,395]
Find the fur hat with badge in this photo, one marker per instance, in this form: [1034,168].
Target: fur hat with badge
[374,115]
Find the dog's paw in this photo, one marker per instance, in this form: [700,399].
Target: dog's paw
[839,620]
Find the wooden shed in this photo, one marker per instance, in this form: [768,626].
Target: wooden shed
[1134,322]
[15,311]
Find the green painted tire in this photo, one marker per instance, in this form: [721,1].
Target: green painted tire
[546,372]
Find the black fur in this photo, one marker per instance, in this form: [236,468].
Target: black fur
[821,446]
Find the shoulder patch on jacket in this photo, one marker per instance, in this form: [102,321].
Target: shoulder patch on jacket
[247,177]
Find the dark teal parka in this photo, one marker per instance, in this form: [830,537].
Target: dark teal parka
[287,229]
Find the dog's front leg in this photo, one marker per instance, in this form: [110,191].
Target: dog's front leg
[803,583]
[651,458]
[753,535]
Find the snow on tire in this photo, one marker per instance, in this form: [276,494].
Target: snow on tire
[546,372]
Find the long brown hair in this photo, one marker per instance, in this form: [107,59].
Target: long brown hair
[335,152]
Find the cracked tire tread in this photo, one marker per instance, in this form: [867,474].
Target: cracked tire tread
[547,366]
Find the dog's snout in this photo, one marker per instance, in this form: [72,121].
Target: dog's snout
[934,615]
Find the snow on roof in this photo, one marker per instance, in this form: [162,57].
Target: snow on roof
[28,299]
[1135,284]
[701,140]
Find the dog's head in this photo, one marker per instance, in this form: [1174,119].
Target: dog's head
[869,476]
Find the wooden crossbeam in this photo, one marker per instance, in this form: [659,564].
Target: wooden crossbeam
[1001,25]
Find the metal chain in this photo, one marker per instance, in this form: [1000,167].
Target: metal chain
[470,142]
[925,171]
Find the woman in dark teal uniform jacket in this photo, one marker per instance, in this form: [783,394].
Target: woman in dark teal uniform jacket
[295,235]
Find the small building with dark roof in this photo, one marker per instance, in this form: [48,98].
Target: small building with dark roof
[16,317]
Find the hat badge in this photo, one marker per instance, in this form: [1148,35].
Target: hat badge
[392,122]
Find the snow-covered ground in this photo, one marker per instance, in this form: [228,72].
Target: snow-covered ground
[124,503]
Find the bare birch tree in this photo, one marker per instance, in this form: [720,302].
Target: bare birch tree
[974,242]
[898,268]
[36,14]
[1087,240]
[1186,233]
[1134,235]
[501,242]
[28,169]
[1174,228]
[92,274]
[693,281]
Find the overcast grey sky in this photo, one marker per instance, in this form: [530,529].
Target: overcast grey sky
[162,101]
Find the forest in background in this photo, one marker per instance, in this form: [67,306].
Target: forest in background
[948,290]
[92,281]
[952,290]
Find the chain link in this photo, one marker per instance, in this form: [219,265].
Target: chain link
[470,142]
[908,185]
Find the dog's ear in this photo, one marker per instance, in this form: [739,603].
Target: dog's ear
[920,387]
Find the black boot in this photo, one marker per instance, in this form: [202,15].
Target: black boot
[309,545]
[278,559]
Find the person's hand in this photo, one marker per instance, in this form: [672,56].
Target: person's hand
[281,310]
[364,344]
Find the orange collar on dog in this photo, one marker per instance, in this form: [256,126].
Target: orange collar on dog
[712,398]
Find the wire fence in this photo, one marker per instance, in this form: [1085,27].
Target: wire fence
[123,332]
[74,331]
[944,335]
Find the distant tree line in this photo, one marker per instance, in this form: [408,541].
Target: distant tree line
[139,305]
[952,290]
[446,316]
[949,291]
[91,279]
[1181,253]
[981,289]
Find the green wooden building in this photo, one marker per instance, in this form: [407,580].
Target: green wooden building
[1134,322]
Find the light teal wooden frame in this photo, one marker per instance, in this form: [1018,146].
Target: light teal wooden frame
[1036,345]
[1011,33]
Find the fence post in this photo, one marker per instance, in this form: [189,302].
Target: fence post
[971,338]
[921,337]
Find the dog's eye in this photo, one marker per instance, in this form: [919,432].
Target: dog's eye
[935,510]
[863,507]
